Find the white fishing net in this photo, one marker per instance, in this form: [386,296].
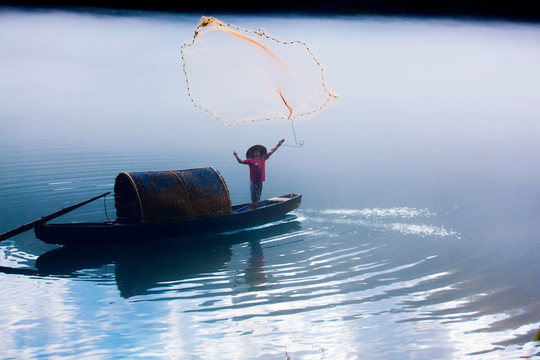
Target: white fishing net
[240,76]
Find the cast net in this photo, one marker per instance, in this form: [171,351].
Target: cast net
[240,76]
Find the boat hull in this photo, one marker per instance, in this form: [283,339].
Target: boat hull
[114,232]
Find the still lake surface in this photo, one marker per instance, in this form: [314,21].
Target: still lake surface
[417,238]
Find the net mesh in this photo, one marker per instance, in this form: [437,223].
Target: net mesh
[240,76]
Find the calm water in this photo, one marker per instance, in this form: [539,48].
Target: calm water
[417,237]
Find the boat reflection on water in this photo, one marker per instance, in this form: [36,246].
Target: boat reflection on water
[139,269]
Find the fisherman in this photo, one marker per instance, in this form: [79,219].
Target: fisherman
[256,157]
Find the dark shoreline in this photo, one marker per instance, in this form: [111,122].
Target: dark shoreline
[515,11]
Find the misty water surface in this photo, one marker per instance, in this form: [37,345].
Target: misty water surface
[418,232]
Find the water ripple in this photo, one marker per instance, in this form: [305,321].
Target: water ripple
[383,219]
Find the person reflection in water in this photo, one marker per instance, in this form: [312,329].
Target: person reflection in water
[254,274]
[256,158]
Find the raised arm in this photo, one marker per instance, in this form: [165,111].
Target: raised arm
[276,147]
[238,158]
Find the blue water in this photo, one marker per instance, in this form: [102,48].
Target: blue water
[417,237]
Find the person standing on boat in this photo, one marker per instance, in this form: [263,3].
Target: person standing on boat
[256,157]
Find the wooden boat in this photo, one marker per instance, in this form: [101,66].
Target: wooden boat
[157,204]
[115,232]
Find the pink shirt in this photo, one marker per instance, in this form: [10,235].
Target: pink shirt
[256,168]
